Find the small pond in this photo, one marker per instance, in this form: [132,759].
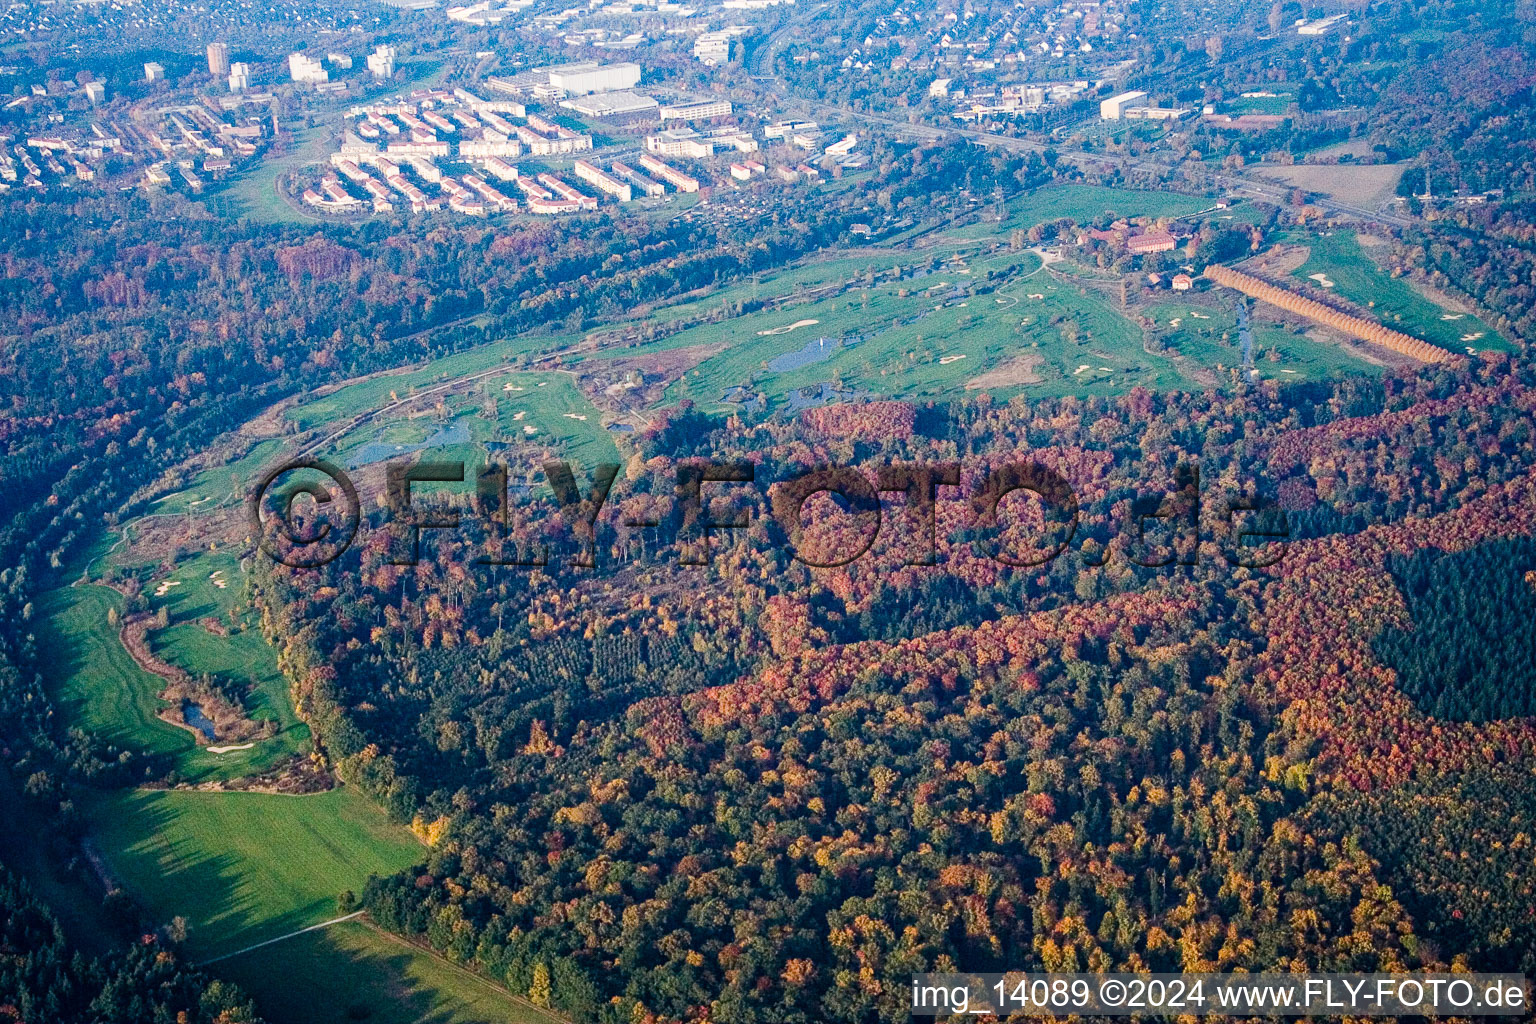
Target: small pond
[193,715]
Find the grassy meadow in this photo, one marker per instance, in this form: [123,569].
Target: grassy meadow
[245,867]
[351,971]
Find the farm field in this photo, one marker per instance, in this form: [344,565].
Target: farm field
[1366,185]
[245,867]
[1276,104]
[351,971]
[1344,263]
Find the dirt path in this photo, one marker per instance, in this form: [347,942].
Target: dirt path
[280,938]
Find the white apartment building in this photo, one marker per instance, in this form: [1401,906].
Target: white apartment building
[381,62]
[306,69]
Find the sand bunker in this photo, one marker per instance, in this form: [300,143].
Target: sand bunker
[1321,279]
[1081,369]
[789,327]
[1472,337]
[231,748]
[1015,372]
[511,387]
[1452,316]
[520,414]
[575,416]
[946,360]
[530,430]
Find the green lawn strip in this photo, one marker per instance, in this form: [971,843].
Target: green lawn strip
[245,867]
[1084,203]
[352,971]
[1341,259]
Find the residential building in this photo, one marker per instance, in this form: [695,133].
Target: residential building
[938,89]
[154,72]
[677,179]
[715,47]
[339,61]
[381,62]
[699,110]
[500,168]
[306,70]
[95,92]
[566,192]
[1112,108]
[594,175]
[239,77]
[638,180]
[1182,282]
[218,59]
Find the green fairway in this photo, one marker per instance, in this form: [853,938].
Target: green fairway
[192,591]
[219,485]
[538,414]
[1348,270]
[98,687]
[546,409]
[245,867]
[350,972]
[1207,335]
[95,685]
[246,659]
[931,336]
[375,392]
